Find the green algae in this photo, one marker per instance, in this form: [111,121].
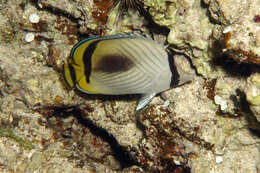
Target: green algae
[255,100]
[10,134]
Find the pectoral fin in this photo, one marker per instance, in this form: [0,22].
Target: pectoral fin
[144,100]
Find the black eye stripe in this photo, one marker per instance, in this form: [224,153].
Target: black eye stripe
[87,56]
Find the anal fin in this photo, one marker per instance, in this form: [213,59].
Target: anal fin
[144,100]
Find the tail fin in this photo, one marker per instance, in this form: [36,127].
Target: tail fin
[184,76]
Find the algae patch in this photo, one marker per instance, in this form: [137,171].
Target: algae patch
[9,133]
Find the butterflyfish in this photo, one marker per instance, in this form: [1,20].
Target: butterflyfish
[122,64]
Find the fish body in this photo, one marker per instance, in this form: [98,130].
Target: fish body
[121,64]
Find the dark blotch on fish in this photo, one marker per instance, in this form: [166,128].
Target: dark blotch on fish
[115,63]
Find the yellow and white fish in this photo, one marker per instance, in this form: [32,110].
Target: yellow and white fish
[122,64]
